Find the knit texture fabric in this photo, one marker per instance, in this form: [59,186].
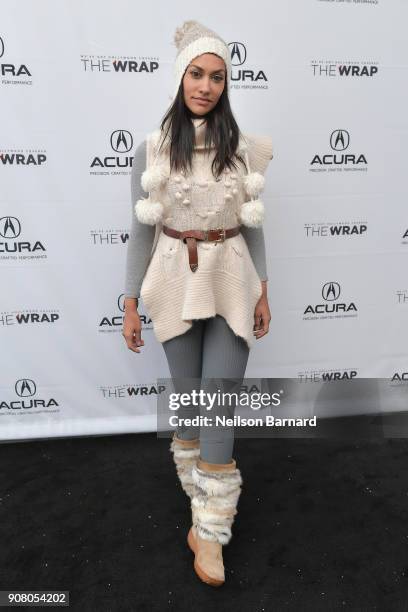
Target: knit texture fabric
[141,236]
[226,281]
[193,39]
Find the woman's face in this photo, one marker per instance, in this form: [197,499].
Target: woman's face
[203,83]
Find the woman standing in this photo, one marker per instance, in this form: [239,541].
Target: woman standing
[196,256]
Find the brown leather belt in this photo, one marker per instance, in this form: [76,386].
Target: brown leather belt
[191,236]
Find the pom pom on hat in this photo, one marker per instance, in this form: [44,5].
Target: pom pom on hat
[252,213]
[148,212]
[181,31]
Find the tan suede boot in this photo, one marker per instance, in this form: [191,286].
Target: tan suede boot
[185,455]
[214,506]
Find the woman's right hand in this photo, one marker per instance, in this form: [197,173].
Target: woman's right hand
[132,327]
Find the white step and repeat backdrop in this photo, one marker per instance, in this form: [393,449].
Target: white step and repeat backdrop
[81,83]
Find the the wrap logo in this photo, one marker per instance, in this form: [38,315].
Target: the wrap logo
[108,237]
[402,296]
[313,376]
[142,391]
[121,142]
[244,78]
[10,229]
[323,230]
[331,69]
[129,64]
[26,390]
[27,157]
[331,308]
[339,161]
[28,316]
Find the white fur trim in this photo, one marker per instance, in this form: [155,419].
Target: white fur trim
[153,177]
[252,213]
[214,504]
[148,212]
[217,534]
[182,452]
[185,459]
[220,484]
[254,183]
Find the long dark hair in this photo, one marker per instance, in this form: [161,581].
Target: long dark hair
[221,129]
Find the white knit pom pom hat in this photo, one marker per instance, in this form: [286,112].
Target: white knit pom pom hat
[193,39]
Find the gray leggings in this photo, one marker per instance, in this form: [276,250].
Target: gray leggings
[208,350]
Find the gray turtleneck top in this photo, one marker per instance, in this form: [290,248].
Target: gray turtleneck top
[142,235]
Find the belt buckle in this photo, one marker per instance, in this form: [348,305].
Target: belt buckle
[220,229]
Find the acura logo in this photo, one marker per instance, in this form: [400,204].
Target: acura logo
[25,387]
[238,53]
[1,47]
[121,141]
[10,227]
[331,291]
[121,302]
[339,140]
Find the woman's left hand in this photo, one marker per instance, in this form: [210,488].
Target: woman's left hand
[262,314]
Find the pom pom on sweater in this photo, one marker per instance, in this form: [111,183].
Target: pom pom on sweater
[254,183]
[153,177]
[252,213]
[148,212]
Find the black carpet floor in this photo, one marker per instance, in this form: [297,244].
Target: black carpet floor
[322,524]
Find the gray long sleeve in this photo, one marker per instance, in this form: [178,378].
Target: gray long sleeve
[255,240]
[142,235]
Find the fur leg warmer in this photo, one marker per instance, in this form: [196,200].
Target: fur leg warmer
[185,455]
[214,504]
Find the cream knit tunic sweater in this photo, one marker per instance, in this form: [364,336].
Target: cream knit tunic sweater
[226,281]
